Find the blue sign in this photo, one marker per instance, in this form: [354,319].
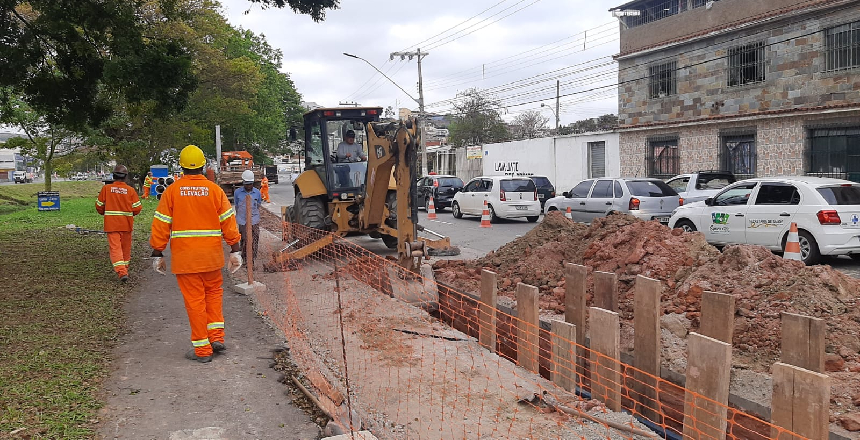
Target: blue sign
[49,201]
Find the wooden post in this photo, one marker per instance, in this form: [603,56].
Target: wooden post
[605,352]
[575,311]
[803,342]
[487,311]
[718,316]
[563,372]
[605,291]
[801,403]
[646,345]
[249,241]
[527,327]
[709,364]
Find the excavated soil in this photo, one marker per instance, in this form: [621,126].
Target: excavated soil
[763,284]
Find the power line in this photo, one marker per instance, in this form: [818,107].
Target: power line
[452,27]
[440,44]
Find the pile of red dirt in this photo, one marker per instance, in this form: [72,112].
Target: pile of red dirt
[764,285]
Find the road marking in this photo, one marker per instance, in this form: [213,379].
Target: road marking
[440,221]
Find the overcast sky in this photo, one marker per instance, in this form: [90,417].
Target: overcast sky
[535,42]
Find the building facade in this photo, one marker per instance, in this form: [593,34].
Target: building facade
[756,87]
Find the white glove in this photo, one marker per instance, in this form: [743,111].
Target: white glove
[159,265]
[235,262]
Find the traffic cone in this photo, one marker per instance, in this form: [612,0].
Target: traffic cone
[485,217]
[431,210]
[792,244]
[568,215]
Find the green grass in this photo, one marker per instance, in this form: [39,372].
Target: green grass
[60,315]
[19,197]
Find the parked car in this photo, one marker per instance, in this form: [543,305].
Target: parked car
[22,177]
[698,186]
[647,199]
[760,211]
[272,174]
[506,196]
[545,189]
[441,187]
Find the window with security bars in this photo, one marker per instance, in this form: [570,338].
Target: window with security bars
[596,159]
[746,64]
[739,156]
[662,80]
[662,159]
[843,46]
[834,152]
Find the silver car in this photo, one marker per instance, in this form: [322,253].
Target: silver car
[645,198]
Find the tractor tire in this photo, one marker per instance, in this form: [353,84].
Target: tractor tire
[390,241]
[311,211]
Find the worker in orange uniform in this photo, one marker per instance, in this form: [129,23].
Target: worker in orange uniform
[264,189]
[193,216]
[147,183]
[119,203]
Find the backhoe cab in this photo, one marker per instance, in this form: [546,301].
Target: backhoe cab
[368,187]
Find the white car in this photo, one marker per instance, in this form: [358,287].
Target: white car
[760,211]
[506,196]
[698,186]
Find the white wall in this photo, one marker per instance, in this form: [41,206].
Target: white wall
[564,159]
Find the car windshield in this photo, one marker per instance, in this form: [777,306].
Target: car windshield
[650,188]
[714,181]
[450,181]
[541,181]
[518,185]
[841,195]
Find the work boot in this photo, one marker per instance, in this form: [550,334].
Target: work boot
[123,279]
[192,356]
[218,347]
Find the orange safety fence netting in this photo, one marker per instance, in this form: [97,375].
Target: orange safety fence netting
[388,351]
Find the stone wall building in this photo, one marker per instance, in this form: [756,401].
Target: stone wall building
[757,87]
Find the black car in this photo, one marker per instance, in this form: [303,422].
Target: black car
[545,189]
[441,188]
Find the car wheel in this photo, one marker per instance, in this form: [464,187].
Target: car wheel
[809,252]
[686,225]
[855,256]
[532,218]
[493,217]
[455,210]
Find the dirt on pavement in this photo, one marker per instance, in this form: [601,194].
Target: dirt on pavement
[763,284]
[154,392]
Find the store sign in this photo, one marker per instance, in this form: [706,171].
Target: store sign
[474,152]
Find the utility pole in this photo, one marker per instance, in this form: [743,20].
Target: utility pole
[557,93]
[421,114]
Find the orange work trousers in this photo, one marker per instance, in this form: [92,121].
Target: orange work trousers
[120,251]
[264,194]
[203,293]
[145,193]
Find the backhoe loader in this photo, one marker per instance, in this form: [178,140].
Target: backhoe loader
[372,195]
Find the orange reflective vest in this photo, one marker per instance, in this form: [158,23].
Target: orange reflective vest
[264,183]
[193,215]
[119,204]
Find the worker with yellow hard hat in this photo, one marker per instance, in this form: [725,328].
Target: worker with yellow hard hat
[193,216]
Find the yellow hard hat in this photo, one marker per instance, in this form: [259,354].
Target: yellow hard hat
[191,157]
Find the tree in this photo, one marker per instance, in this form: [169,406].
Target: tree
[42,140]
[528,125]
[477,120]
[603,123]
[315,8]
[68,59]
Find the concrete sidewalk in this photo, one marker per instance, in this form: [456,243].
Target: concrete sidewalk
[155,393]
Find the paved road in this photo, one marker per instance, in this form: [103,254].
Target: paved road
[475,241]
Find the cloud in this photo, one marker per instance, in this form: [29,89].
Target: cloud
[480,53]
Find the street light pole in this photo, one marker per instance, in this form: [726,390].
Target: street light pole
[421,113]
[554,113]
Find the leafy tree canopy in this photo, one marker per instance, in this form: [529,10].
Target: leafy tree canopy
[315,8]
[477,120]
